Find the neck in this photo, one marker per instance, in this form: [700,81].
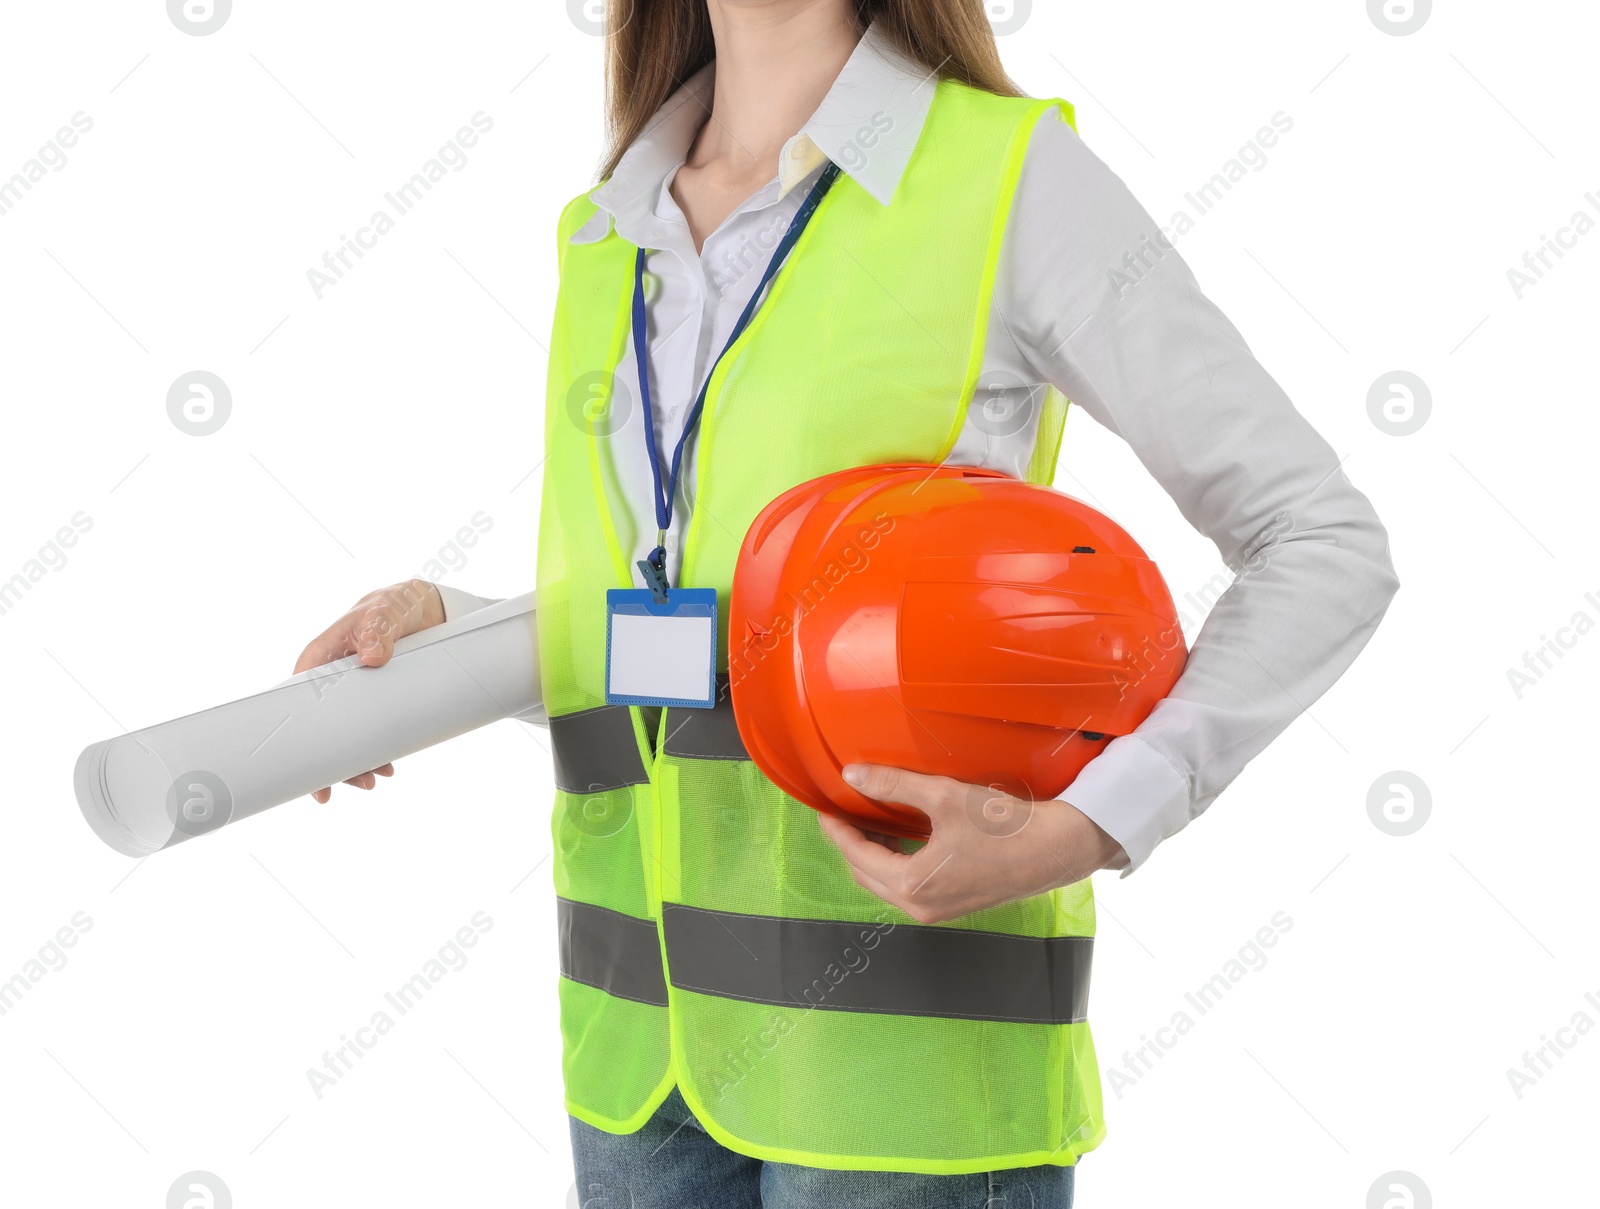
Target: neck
[776,60]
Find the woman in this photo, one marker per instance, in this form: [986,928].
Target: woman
[951,262]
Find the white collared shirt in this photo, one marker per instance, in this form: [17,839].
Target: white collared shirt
[1160,366]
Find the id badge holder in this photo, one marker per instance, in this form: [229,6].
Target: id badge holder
[661,653]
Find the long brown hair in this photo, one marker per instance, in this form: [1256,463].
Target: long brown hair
[658,44]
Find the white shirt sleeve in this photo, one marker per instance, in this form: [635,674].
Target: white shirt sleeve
[1153,360]
[458,603]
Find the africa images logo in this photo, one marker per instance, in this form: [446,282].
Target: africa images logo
[1399,17]
[199,1190]
[1008,16]
[199,802]
[199,17]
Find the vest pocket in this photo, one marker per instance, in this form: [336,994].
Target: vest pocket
[615,1057]
[616,1048]
[596,840]
[803,1084]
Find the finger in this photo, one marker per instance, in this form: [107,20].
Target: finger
[882,868]
[375,632]
[322,649]
[874,887]
[369,632]
[367,779]
[335,642]
[931,795]
[891,842]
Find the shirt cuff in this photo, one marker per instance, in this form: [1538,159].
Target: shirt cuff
[458,603]
[1134,795]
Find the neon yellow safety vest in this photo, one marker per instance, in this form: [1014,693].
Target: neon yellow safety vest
[710,935]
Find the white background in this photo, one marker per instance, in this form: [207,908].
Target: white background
[370,425]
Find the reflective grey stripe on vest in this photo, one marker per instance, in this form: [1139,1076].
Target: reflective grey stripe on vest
[706,734]
[900,969]
[595,750]
[617,953]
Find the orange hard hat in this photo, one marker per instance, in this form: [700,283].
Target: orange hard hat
[946,620]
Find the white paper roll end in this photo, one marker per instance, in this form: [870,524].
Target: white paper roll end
[123,769]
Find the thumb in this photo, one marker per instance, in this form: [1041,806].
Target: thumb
[934,796]
[375,634]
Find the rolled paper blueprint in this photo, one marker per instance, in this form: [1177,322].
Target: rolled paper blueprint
[153,788]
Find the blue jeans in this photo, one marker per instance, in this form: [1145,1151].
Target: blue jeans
[672,1163]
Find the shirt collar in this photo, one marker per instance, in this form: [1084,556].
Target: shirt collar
[868,124]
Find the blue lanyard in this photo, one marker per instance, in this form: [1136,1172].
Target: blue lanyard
[654,567]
